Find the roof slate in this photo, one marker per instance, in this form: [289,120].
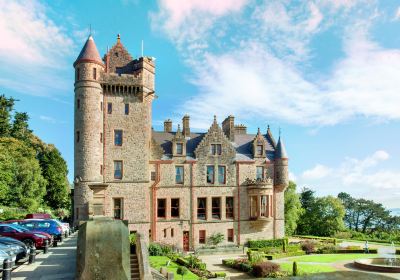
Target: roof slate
[89,52]
[243,144]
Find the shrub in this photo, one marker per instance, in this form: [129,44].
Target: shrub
[308,247]
[265,269]
[216,238]
[327,249]
[228,262]
[267,243]
[166,249]
[182,271]
[132,238]
[295,271]
[343,235]
[220,274]
[155,249]
[255,257]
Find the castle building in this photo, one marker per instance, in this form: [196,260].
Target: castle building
[177,187]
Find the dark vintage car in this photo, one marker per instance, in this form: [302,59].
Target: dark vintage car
[20,233]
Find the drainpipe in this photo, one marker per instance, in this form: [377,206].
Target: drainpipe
[238,201]
[154,201]
[191,204]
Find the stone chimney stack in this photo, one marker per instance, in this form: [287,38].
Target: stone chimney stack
[240,129]
[228,126]
[186,126]
[167,125]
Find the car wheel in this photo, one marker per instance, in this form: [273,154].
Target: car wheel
[29,242]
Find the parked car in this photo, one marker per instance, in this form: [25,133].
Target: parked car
[22,251]
[22,222]
[20,233]
[4,255]
[65,227]
[38,216]
[49,226]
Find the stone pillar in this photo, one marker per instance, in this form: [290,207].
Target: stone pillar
[228,126]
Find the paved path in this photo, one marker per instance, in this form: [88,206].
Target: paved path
[58,264]
[214,264]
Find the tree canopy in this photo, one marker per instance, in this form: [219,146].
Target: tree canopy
[33,174]
[293,209]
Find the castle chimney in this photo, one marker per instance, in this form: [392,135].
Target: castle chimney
[167,125]
[186,126]
[240,129]
[228,126]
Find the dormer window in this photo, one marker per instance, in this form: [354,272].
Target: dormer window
[179,148]
[259,150]
[216,149]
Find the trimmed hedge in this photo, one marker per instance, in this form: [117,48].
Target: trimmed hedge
[267,243]
[275,256]
[220,274]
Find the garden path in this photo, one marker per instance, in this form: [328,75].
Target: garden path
[214,264]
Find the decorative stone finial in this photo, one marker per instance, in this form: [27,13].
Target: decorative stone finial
[118,38]
[179,127]
[258,131]
[215,119]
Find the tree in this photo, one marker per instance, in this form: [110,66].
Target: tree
[24,185]
[293,208]
[322,216]
[6,107]
[54,170]
[20,128]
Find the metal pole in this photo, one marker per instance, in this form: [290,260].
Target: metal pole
[7,266]
[46,247]
[32,255]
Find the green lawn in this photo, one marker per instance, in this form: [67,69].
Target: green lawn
[159,261]
[305,268]
[329,258]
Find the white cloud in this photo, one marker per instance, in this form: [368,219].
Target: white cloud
[33,49]
[318,172]
[257,67]
[364,177]
[397,15]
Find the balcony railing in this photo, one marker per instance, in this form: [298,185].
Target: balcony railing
[266,182]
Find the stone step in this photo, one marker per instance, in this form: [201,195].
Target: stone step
[135,275]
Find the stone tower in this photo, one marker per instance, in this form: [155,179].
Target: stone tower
[281,182]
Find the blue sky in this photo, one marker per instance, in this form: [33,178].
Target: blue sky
[325,71]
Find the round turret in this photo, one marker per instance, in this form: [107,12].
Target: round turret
[281,180]
[88,114]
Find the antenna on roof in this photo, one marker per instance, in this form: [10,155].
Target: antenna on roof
[142,47]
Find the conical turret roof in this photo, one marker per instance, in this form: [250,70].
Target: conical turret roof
[280,151]
[89,53]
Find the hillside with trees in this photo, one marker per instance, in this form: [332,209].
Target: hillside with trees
[33,174]
[343,216]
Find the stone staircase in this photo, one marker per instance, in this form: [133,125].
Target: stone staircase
[135,274]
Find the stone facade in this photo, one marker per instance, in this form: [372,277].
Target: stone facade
[159,180]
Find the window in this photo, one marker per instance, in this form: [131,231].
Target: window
[179,148]
[101,106]
[210,174]
[101,169]
[175,208]
[101,137]
[78,103]
[216,208]
[117,169]
[216,149]
[202,236]
[172,232]
[264,206]
[109,108]
[179,174]
[118,137]
[260,173]
[126,109]
[202,208]
[153,175]
[253,207]
[150,234]
[77,136]
[94,73]
[259,150]
[78,73]
[229,207]
[165,232]
[230,234]
[221,174]
[117,208]
[161,205]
